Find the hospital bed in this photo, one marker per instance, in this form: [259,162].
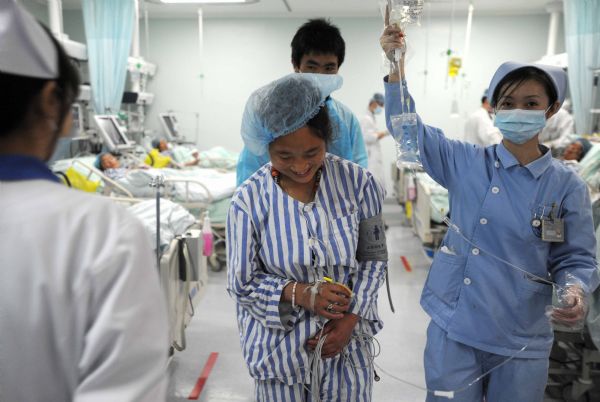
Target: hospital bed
[193,188]
[183,276]
[400,179]
[199,190]
[182,269]
[178,244]
[429,210]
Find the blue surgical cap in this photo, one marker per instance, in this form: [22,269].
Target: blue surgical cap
[378,98]
[98,161]
[155,143]
[585,146]
[556,74]
[284,106]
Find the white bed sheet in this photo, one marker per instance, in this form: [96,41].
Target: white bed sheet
[220,184]
[175,220]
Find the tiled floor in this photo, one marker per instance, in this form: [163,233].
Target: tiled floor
[214,329]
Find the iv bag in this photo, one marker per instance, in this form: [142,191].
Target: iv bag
[405,133]
[403,12]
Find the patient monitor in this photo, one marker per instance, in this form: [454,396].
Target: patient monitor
[112,134]
[169,123]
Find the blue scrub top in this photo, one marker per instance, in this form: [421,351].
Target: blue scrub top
[478,300]
[347,142]
[23,167]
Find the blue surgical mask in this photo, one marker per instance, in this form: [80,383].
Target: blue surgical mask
[519,126]
[378,110]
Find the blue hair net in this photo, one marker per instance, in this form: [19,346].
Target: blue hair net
[284,106]
[98,161]
[155,143]
[378,98]
[556,74]
[585,146]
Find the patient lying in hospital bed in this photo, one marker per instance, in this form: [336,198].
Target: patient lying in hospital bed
[184,155]
[162,155]
[194,185]
[112,167]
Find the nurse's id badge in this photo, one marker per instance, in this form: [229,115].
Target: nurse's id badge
[553,230]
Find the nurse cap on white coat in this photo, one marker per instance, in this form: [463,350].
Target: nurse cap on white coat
[557,76]
[25,47]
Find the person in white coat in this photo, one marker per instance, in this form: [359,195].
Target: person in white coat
[82,315]
[479,127]
[372,136]
[559,129]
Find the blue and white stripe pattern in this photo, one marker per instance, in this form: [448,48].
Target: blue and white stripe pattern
[273,239]
[345,378]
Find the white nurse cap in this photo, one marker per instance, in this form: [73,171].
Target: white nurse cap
[25,47]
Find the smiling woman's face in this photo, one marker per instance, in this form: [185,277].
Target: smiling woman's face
[299,155]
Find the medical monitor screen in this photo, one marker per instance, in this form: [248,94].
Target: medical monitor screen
[171,125]
[112,131]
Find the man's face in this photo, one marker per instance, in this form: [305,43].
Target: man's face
[318,64]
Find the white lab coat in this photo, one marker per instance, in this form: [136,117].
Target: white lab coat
[480,129]
[369,129]
[558,129]
[82,315]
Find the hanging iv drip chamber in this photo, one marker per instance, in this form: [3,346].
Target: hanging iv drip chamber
[404,125]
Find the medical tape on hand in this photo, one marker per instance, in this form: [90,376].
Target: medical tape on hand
[314,291]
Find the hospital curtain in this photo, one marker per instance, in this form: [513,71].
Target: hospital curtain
[108,29]
[582,36]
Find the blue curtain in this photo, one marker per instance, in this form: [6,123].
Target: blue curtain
[582,34]
[108,29]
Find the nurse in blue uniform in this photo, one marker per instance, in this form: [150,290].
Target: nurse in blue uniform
[510,201]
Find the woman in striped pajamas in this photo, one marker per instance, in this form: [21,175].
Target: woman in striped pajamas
[306,250]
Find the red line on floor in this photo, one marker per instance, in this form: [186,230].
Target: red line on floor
[406,264]
[210,363]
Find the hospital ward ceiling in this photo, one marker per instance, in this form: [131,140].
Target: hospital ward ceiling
[330,8]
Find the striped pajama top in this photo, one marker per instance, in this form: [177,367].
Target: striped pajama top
[273,239]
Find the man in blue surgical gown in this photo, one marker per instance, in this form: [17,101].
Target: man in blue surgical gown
[318,47]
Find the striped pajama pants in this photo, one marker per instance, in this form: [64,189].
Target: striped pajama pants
[343,379]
